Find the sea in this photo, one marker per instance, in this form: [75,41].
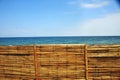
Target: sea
[90,40]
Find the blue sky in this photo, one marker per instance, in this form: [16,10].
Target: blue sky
[20,18]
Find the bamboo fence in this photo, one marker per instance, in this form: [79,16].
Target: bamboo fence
[60,62]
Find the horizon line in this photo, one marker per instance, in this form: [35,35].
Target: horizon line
[61,36]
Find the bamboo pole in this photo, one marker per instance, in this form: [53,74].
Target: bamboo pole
[35,63]
[86,62]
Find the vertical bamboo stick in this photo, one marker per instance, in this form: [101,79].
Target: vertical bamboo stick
[86,62]
[35,63]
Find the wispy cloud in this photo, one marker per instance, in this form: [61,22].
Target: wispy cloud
[91,4]
[94,5]
[107,25]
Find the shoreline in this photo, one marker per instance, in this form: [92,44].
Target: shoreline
[65,44]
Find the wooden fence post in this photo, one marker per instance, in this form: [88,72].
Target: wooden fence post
[35,63]
[86,62]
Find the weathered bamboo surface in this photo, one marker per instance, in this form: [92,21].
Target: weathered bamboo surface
[60,62]
[104,62]
[55,62]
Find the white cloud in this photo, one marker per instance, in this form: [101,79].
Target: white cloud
[94,5]
[108,25]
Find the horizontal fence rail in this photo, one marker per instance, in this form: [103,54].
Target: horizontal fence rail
[60,62]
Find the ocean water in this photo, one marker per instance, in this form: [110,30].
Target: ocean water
[60,40]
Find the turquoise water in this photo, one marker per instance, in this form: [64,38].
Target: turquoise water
[60,40]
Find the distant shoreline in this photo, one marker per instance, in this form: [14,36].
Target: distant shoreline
[60,36]
[65,44]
